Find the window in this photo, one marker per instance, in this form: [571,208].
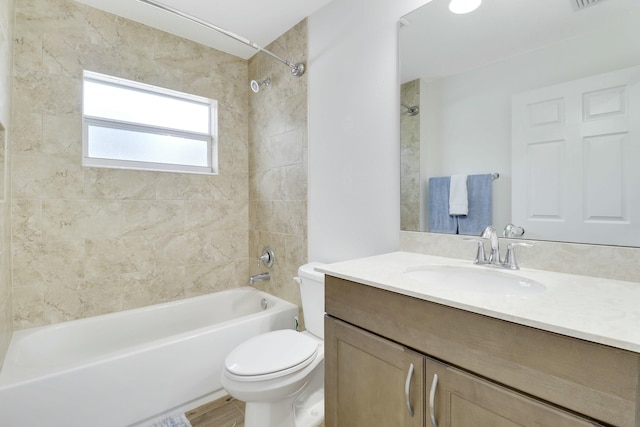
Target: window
[133,125]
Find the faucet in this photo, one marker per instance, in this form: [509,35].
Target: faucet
[259,277]
[494,255]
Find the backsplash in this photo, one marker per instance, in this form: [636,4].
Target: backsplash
[612,262]
[88,241]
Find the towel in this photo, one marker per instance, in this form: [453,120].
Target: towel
[480,192]
[458,200]
[439,219]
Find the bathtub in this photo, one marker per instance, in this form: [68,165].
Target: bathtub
[130,367]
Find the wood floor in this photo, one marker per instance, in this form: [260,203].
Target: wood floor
[224,412]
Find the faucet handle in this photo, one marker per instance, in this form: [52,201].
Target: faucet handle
[481,257]
[510,259]
[267,257]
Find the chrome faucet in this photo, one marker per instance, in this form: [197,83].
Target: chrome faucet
[494,259]
[494,255]
[259,278]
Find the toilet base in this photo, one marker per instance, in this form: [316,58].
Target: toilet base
[262,414]
[304,408]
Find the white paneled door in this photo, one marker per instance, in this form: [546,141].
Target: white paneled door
[576,160]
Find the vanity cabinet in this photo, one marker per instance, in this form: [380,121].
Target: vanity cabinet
[374,381]
[464,400]
[490,372]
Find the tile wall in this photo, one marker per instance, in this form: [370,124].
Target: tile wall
[6,45]
[278,164]
[88,241]
[409,158]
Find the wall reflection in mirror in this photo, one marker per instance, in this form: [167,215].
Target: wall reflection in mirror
[544,93]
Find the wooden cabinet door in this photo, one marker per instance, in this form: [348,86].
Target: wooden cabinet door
[369,380]
[458,399]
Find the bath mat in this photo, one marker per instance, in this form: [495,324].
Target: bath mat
[173,421]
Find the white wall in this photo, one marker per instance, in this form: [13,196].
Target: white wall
[354,132]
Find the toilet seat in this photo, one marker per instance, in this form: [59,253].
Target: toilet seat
[271,355]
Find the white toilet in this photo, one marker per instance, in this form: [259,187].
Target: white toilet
[280,374]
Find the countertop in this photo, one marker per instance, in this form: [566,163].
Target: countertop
[594,309]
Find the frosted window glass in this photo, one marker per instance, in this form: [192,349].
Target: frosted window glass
[107,101]
[121,144]
[132,125]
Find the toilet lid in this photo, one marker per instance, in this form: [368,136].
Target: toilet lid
[271,352]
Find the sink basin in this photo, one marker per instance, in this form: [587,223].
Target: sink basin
[476,279]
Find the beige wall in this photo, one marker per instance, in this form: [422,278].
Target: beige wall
[409,158]
[278,164]
[86,240]
[6,43]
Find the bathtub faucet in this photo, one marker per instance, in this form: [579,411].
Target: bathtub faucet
[259,277]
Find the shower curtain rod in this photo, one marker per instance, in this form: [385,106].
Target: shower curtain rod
[296,69]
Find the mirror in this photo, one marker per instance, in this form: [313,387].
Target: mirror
[465,73]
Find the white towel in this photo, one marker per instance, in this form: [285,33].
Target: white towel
[458,199]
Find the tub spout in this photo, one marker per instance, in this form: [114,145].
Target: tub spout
[259,277]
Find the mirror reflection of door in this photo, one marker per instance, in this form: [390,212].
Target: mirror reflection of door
[574,148]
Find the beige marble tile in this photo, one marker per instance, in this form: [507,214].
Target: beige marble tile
[213,277]
[278,167]
[27,49]
[154,286]
[47,93]
[115,184]
[46,177]
[28,306]
[81,219]
[105,257]
[26,216]
[62,135]
[56,261]
[142,217]
[205,216]
[290,216]
[27,133]
[7,44]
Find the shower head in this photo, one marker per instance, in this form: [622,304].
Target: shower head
[255,85]
[411,111]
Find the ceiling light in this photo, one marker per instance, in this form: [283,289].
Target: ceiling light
[464,6]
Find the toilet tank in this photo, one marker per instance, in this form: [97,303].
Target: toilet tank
[312,293]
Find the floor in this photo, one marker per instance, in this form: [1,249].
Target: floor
[224,412]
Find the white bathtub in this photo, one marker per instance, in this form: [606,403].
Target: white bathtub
[121,369]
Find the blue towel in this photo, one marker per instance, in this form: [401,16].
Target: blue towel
[480,193]
[439,219]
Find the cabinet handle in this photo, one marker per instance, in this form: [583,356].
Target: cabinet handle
[407,389]
[432,400]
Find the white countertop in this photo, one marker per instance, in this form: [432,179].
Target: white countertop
[600,310]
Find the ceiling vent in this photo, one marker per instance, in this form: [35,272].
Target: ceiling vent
[581,4]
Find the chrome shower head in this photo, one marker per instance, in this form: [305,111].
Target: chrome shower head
[255,85]
[411,111]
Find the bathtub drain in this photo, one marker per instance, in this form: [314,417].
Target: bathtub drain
[263,303]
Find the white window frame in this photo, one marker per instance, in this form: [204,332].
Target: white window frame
[211,137]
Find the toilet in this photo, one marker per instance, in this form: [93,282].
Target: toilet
[280,374]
